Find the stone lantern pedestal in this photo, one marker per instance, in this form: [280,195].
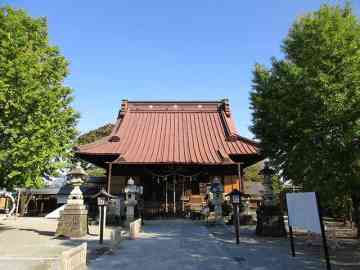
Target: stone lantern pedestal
[217,198]
[130,210]
[73,219]
[270,219]
[131,191]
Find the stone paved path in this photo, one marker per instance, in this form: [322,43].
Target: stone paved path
[182,244]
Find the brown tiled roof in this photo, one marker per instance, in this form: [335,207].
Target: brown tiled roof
[173,132]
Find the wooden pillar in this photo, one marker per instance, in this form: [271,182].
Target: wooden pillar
[241,179]
[174,187]
[166,195]
[109,177]
[183,195]
[41,207]
[108,191]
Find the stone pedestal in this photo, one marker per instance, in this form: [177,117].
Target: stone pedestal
[270,221]
[73,221]
[218,209]
[217,198]
[130,211]
[131,190]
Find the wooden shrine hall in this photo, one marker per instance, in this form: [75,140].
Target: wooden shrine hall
[173,149]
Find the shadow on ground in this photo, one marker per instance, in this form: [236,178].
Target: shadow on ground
[311,255]
[45,233]
[4,228]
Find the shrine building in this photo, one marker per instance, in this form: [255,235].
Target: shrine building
[174,149]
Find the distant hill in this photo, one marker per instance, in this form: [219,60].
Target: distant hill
[90,137]
[95,134]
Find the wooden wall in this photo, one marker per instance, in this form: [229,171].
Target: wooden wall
[231,183]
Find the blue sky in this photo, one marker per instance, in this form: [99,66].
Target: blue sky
[182,50]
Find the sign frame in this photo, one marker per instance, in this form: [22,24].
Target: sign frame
[322,230]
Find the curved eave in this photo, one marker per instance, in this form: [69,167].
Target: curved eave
[98,159]
[246,160]
[175,163]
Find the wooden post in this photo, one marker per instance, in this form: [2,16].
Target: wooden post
[292,241]
[241,181]
[108,191]
[326,252]
[236,217]
[166,196]
[101,224]
[292,246]
[109,178]
[174,186]
[41,207]
[183,194]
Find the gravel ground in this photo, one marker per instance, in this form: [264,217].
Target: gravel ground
[188,245]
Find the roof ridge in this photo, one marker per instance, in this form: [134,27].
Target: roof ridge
[175,101]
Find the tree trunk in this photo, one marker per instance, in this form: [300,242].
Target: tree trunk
[356,215]
[25,200]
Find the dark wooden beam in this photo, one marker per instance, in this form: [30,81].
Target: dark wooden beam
[109,171]
[163,170]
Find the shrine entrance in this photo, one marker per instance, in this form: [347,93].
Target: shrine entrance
[173,196]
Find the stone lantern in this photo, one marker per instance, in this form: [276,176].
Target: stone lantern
[77,176]
[267,172]
[73,219]
[131,191]
[217,190]
[270,218]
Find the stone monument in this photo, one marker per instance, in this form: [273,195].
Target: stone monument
[270,218]
[73,219]
[130,190]
[217,191]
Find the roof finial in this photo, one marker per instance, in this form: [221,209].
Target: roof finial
[124,108]
[226,106]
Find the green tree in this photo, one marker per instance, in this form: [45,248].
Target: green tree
[252,173]
[37,122]
[306,107]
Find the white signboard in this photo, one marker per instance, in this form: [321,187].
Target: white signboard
[303,211]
